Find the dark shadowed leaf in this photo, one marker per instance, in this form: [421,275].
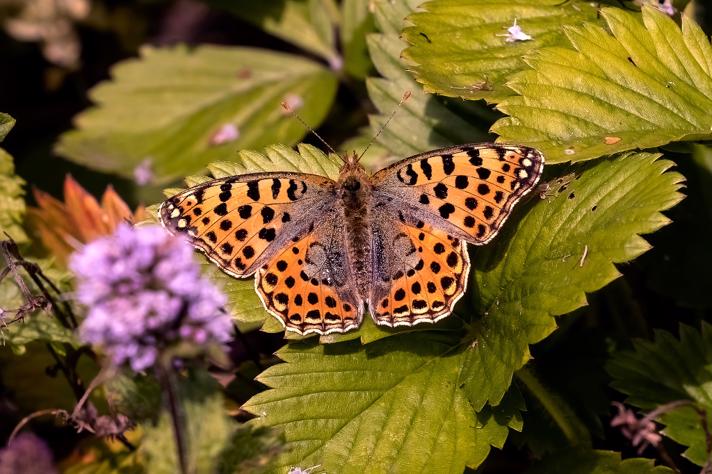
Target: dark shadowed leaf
[596,462]
[666,370]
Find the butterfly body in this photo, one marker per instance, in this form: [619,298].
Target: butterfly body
[394,242]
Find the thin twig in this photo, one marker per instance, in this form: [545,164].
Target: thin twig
[31,416]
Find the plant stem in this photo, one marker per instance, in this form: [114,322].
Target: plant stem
[167,381]
[573,429]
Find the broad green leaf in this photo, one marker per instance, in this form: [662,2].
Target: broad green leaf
[6,124]
[666,370]
[595,462]
[424,121]
[543,263]
[646,84]
[460,48]
[208,429]
[356,23]
[175,110]
[684,272]
[308,24]
[244,304]
[390,406]
[12,202]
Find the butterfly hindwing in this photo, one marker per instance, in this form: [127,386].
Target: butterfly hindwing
[239,221]
[308,284]
[470,189]
[421,276]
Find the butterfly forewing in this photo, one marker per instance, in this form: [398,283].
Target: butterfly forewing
[468,190]
[241,221]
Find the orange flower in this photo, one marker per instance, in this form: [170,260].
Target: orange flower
[63,226]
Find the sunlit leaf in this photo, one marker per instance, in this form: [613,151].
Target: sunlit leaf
[173,111]
[423,122]
[462,49]
[385,406]
[544,262]
[643,85]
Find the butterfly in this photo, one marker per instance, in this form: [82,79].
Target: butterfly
[393,242]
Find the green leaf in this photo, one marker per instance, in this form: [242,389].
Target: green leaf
[243,303]
[208,429]
[12,202]
[391,406]
[165,109]
[646,84]
[356,23]
[543,263]
[305,23]
[424,121]
[6,124]
[595,462]
[460,48]
[669,369]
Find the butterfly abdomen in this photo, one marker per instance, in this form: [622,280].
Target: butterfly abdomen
[355,193]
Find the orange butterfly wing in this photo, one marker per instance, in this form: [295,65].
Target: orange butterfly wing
[421,276]
[309,286]
[468,190]
[240,222]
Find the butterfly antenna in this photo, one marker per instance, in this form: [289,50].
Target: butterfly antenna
[405,97]
[294,114]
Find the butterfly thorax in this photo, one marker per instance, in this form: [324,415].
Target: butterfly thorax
[354,190]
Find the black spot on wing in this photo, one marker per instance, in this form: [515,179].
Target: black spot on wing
[448,164]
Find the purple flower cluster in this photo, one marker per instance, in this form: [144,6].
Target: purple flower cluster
[145,292]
